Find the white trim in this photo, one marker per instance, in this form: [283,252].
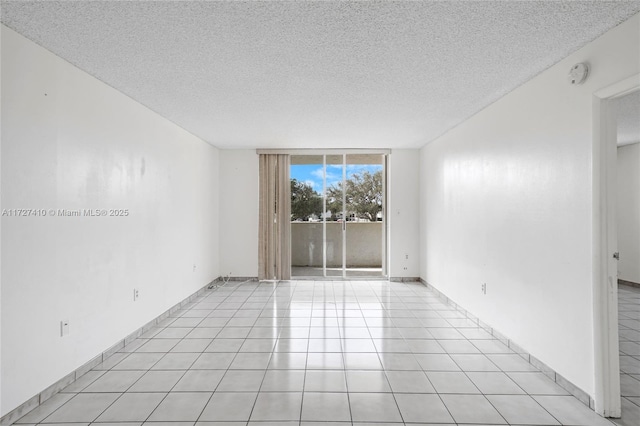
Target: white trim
[605,286]
[328,151]
[324,215]
[344,216]
[385,218]
[621,88]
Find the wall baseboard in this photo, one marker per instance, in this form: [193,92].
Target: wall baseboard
[628,283]
[574,390]
[56,387]
[404,279]
[36,400]
[241,279]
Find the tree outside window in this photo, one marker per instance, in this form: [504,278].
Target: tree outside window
[363,195]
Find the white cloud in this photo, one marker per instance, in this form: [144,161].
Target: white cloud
[317,173]
[332,178]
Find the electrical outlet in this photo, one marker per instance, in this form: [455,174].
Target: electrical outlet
[136,294]
[194,267]
[64,328]
[406,257]
[484,288]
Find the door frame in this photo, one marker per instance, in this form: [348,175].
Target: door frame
[385,219]
[385,225]
[605,268]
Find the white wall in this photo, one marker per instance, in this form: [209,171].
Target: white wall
[404,218]
[628,212]
[506,199]
[71,142]
[239,183]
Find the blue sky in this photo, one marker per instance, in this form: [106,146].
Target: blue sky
[312,173]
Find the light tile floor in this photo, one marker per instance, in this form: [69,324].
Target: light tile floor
[320,353]
[629,329]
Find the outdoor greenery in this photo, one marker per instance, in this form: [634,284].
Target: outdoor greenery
[363,195]
[305,202]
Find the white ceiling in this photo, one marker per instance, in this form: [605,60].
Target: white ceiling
[284,74]
[628,115]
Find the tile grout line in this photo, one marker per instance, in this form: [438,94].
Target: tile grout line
[40,398]
[574,390]
[145,372]
[255,402]
[427,376]
[225,371]
[395,301]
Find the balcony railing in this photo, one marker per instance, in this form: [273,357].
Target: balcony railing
[364,244]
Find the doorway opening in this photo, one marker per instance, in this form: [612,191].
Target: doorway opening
[338,205]
[627,113]
[607,393]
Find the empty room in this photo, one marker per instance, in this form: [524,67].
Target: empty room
[259,213]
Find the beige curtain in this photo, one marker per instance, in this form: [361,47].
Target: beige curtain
[274,241]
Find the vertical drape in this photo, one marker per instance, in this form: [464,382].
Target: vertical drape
[274,245]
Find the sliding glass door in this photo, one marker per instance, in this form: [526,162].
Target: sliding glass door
[337,215]
[363,188]
[307,205]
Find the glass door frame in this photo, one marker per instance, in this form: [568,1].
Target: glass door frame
[384,225]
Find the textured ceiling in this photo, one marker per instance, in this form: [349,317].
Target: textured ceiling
[628,114]
[283,74]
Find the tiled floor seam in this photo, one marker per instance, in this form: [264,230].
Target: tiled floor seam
[124,392]
[629,329]
[242,300]
[37,400]
[481,393]
[574,390]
